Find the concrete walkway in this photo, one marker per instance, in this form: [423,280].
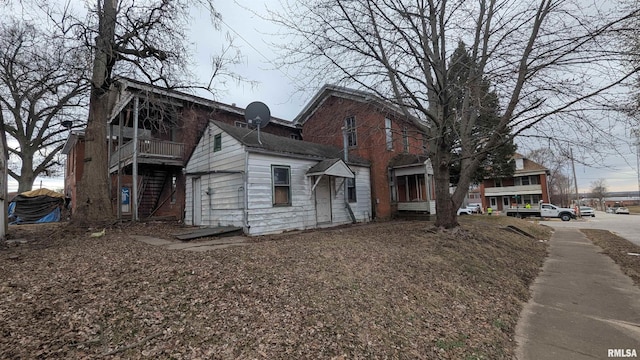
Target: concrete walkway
[214,244]
[583,306]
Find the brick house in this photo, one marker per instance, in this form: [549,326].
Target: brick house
[152,132]
[375,130]
[528,185]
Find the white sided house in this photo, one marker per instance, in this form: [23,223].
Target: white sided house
[270,184]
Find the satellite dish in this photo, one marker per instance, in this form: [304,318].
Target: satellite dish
[257,114]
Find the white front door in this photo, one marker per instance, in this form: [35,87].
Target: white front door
[196,195]
[323,200]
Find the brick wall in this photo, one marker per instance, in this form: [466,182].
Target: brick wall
[325,126]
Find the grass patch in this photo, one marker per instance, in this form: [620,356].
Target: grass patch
[618,249]
[634,209]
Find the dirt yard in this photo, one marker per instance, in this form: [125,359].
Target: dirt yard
[381,290]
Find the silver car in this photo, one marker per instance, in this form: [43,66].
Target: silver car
[587,211]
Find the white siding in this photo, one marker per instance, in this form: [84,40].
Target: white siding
[264,218]
[222,189]
[362,209]
[222,193]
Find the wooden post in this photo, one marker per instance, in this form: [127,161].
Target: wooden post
[4,161]
[134,190]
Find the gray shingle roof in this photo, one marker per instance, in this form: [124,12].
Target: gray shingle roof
[283,145]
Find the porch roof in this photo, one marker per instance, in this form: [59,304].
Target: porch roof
[402,160]
[331,167]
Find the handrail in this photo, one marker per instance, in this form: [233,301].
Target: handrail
[149,148]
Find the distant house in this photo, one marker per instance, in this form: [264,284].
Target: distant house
[269,184]
[527,186]
[152,132]
[375,130]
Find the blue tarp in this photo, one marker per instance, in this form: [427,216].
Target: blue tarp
[36,207]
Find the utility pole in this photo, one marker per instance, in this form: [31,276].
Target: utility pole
[575,178]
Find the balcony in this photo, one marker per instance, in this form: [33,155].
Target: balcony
[513,190]
[150,151]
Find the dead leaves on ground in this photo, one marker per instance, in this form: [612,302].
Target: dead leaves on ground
[376,291]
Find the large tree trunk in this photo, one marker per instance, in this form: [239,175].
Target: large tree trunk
[25,182]
[93,200]
[93,204]
[446,210]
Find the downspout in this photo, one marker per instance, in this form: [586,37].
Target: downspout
[245,210]
[119,182]
[347,206]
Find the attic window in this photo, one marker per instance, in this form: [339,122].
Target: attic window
[240,124]
[217,142]
[294,137]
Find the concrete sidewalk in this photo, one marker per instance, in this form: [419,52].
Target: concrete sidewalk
[583,306]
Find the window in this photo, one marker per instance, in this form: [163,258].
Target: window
[405,139]
[498,183]
[350,126]
[424,143]
[217,142]
[240,124]
[281,178]
[294,137]
[351,189]
[524,180]
[392,186]
[388,134]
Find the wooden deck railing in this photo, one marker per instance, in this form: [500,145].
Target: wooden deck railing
[149,149]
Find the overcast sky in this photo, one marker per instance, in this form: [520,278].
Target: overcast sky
[277,89]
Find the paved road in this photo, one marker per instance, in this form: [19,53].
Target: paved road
[626,226]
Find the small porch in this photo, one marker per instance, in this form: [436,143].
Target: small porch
[412,190]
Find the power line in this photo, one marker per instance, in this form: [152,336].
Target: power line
[279,68]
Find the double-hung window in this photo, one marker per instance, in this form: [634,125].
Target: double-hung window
[351,190]
[350,126]
[281,179]
[405,139]
[388,134]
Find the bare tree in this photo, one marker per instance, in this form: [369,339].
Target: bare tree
[599,191]
[553,64]
[43,85]
[141,39]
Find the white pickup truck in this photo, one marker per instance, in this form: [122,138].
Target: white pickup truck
[544,210]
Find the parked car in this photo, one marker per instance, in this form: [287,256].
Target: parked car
[622,210]
[587,211]
[464,211]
